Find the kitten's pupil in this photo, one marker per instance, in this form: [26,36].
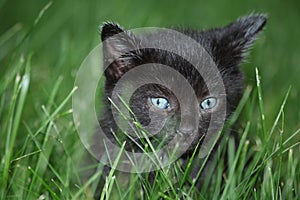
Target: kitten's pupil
[157,102]
[208,102]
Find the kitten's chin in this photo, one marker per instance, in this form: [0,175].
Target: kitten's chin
[184,144]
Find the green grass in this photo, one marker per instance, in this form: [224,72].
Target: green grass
[42,47]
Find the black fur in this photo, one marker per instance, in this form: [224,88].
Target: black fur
[227,46]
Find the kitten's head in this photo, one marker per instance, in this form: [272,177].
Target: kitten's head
[156,104]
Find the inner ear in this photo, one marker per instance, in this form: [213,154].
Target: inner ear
[120,50]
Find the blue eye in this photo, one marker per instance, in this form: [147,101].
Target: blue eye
[208,103]
[161,103]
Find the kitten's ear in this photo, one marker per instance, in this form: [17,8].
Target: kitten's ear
[118,54]
[234,40]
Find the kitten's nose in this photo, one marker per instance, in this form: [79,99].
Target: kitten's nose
[188,124]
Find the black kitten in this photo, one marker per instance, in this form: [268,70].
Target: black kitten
[157,105]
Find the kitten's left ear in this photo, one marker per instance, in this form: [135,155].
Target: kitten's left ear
[233,40]
[120,50]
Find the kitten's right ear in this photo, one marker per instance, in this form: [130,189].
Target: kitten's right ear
[120,50]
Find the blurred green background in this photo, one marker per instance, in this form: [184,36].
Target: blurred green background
[68,31]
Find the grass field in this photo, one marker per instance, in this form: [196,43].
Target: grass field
[42,45]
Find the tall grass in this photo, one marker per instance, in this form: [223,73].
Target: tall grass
[41,154]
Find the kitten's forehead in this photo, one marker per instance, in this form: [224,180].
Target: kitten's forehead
[170,39]
[179,60]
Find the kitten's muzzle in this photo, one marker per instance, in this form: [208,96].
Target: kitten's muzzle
[186,130]
[187,125]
